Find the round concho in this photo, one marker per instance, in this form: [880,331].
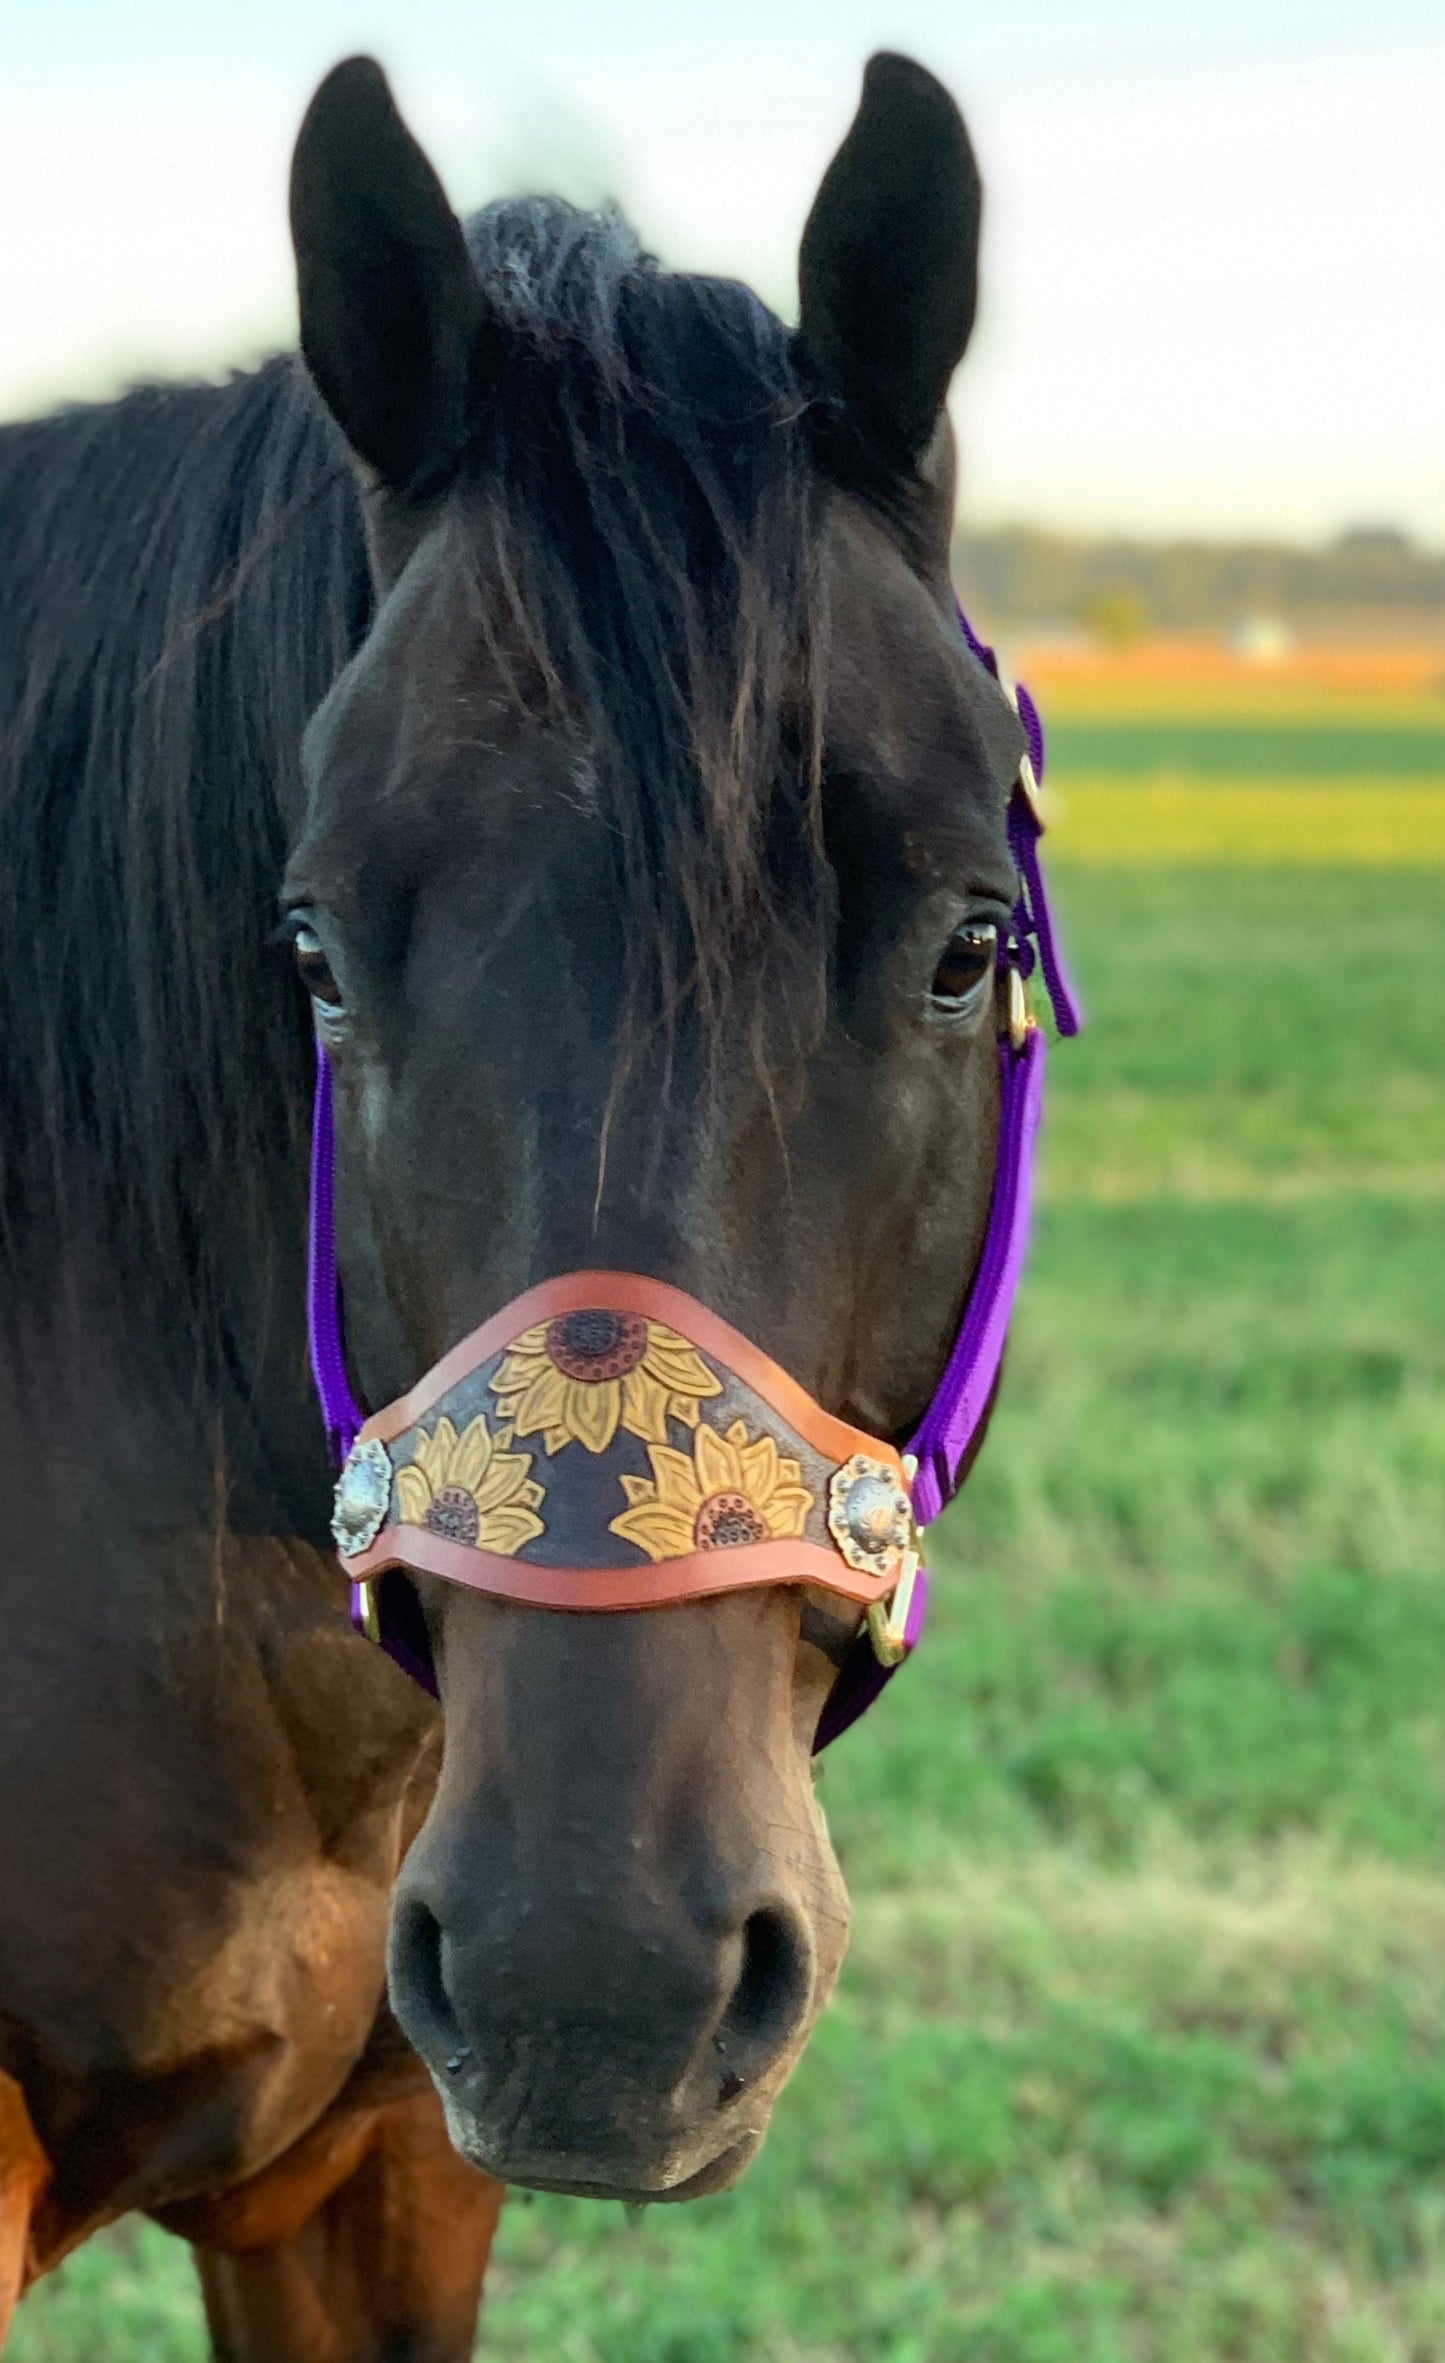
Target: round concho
[727,1520]
[869,1514]
[594,1346]
[363,1496]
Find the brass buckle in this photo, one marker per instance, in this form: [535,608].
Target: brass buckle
[1027,781]
[370,1619]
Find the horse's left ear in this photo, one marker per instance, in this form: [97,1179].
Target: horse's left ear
[395,326]
[888,274]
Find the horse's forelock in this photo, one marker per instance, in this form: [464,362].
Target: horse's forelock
[642,512]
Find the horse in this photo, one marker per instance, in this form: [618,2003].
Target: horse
[563,651]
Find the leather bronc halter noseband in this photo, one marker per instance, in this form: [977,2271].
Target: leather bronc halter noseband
[606,1442]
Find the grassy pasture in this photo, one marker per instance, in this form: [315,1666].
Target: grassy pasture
[1251,749]
[1139,2055]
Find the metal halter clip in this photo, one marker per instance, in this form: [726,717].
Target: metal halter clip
[367,1617]
[1021,1019]
[1027,780]
[1029,790]
[888,1619]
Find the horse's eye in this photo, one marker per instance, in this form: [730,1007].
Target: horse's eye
[967,960]
[314,970]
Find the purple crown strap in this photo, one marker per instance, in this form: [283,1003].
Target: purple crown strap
[1033,920]
[961,1397]
[339,1410]
[1032,916]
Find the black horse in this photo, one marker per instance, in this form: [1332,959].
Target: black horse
[577,645]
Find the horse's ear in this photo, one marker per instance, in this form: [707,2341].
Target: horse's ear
[888,275]
[394,322]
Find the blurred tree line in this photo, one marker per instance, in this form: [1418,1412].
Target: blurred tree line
[1373,577]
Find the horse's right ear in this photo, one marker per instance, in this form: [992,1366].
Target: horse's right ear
[395,326]
[888,274]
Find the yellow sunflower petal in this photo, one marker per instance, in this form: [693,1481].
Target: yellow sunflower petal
[434,1454]
[413,1495]
[787,1512]
[677,1365]
[761,1470]
[644,1406]
[532,1494]
[661,1532]
[520,1364]
[473,1454]
[504,1480]
[506,1529]
[542,1406]
[637,1489]
[553,1439]
[591,1411]
[677,1481]
[685,1408]
[718,1467]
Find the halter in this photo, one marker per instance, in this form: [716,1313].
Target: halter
[608,1415]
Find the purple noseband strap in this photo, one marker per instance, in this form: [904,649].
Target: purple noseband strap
[947,1434]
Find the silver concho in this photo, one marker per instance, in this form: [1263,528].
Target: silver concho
[869,1515]
[363,1496]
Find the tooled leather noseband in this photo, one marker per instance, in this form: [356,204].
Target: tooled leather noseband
[606,1442]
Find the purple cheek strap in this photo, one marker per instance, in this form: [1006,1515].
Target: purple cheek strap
[946,1435]
[341,1414]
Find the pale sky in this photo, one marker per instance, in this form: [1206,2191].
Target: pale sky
[1214,262]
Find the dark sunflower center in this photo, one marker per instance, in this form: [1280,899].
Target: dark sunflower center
[726,1520]
[594,1346]
[453,1513]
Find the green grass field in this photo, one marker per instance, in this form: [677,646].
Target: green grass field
[1319,749]
[1139,2055]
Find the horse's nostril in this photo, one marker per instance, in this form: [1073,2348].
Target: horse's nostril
[418,1990]
[769,2001]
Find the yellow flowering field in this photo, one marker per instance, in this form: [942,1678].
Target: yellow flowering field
[1182,751]
[1365,824]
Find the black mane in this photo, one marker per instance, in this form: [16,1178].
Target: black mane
[185,575]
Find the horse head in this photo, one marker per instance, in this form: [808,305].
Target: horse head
[648,892]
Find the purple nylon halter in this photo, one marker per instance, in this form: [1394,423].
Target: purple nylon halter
[945,1436]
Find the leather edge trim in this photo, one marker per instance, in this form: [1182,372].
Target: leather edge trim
[701,1575]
